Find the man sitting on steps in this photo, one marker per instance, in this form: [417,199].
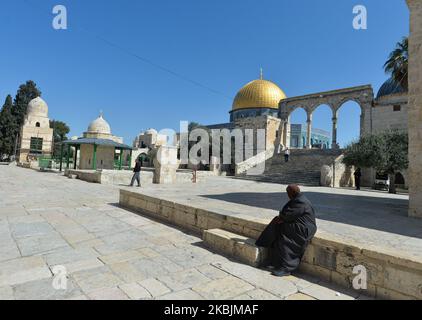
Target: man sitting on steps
[289,234]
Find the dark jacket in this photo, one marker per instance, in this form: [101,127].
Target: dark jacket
[138,166]
[299,220]
[289,239]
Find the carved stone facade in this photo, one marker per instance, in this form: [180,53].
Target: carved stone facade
[415,107]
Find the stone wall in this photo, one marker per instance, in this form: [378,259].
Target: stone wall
[415,108]
[105,157]
[123,177]
[386,117]
[268,123]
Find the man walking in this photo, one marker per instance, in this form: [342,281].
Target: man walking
[287,155]
[137,173]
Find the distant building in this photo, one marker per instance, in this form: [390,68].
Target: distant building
[99,148]
[320,139]
[36,136]
[150,139]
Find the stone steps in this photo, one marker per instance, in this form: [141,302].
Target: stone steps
[236,246]
[304,167]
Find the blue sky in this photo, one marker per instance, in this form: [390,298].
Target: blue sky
[304,46]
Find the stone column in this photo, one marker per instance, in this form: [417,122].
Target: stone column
[286,132]
[362,124]
[165,165]
[415,108]
[335,144]
[309,132]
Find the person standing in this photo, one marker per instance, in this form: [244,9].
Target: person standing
[358,176]
[137,173]
[287,155]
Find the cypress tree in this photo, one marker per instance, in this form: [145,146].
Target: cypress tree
[7,129]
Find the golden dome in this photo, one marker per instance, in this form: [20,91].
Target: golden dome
[258,94]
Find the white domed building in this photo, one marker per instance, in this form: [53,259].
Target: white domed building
[150,139]
[36,136]
[98,148]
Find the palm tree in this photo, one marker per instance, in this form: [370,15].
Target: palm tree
[398,63]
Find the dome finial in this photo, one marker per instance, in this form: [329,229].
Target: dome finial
[261,75]
[101,113]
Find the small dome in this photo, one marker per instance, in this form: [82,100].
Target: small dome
[259,94]
[151,131]
[37,107]
[99,125]
[390,87]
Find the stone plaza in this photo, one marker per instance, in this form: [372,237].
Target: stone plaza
[112,253]
[189,232]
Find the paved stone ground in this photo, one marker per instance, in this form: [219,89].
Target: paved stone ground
[368,218]
[47,220]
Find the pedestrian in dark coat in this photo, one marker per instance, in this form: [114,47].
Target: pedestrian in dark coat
[358,176]
[289,234]
[137,173]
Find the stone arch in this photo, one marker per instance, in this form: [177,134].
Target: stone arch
[362,95]
[295,127]
[351,128]
[321,137]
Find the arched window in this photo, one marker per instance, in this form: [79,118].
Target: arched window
[38,124]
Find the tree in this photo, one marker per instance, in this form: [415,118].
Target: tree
[193,125]
[7,129]
[60,131]
[397,64]
[386,152]
[26,93]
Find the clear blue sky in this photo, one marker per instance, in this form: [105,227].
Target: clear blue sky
[304,46]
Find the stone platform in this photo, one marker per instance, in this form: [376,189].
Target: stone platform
[47,220]
[123,177]
[355,228]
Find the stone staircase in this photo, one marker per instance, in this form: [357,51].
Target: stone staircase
[304,167]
